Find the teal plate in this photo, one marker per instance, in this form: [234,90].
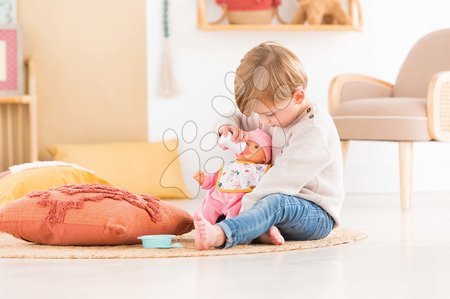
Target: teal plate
[176,245]
[159,241]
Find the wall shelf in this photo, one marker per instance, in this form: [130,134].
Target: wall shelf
[205,25]
[25,99]
[277,27]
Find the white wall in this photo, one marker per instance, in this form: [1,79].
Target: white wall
[202,59]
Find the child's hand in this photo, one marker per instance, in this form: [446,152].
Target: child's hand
[237,135]
[199,176]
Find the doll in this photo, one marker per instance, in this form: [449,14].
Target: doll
[234,179]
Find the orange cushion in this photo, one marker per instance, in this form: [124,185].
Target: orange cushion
[90,214]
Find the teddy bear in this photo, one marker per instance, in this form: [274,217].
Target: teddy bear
[317,12]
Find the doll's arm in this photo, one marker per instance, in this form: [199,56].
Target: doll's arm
[210,181]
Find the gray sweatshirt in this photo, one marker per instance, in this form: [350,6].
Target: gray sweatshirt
[306,160]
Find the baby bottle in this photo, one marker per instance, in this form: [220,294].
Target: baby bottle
[237,148]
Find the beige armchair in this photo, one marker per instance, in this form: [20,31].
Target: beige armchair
[416,108]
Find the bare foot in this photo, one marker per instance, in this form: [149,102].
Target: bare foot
[207,235]
[272,236]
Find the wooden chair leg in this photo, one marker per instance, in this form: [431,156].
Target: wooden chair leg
[406,162]
[344,149]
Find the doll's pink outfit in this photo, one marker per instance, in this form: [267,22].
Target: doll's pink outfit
[227,186]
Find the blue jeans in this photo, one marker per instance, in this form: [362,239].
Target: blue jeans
[296,218]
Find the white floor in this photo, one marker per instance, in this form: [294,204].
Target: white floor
[407,255]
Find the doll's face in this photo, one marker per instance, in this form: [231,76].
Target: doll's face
[252,153]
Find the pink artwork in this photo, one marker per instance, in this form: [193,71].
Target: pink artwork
[10,61]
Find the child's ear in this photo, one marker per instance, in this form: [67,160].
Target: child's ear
[299,95]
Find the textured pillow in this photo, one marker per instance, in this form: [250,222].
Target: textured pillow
[91,214]
[16,185]
[139,167]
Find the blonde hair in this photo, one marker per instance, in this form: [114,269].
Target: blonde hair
[269,71]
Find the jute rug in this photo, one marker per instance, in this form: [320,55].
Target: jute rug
[11,247]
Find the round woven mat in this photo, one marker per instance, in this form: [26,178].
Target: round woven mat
[11,247]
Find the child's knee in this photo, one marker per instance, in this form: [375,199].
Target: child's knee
[271,200]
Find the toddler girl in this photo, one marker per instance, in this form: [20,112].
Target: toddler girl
[301,195]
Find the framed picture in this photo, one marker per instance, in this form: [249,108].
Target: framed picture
[8,12]
[11,61]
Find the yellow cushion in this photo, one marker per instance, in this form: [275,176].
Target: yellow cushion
[16,185]
[139,167]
